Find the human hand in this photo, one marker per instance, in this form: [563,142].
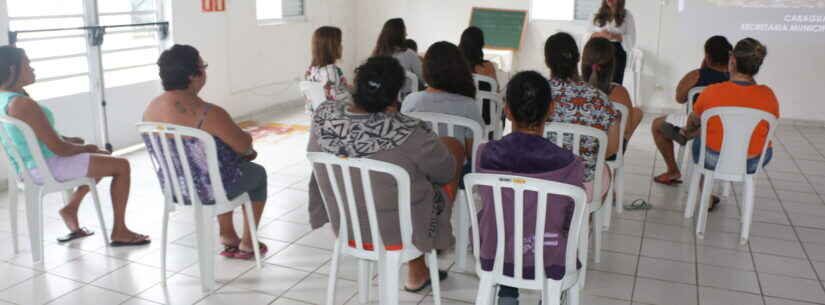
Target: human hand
[251,156]
[93,149]
[74,140]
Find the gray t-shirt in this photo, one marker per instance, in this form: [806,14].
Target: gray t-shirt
[446,103]
[411,62]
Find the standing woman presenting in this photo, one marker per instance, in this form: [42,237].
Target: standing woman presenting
[616,23]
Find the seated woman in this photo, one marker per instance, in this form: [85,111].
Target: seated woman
[66,158]
[577,102]
[326,50]
[183,74]
[391,42]
[372,129]
[526,152]
[472,45]
[598,65]
[714,69]
[451,89]
[741,91]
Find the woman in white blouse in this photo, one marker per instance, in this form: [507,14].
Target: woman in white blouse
[616,23]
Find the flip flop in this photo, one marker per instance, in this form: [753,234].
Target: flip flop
[138,240]
[442,275]
[229,251]
[247,255]
[637,205]
[80,233]
[659,179]
[714,201]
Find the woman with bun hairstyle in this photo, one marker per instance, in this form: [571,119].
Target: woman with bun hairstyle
[373,128]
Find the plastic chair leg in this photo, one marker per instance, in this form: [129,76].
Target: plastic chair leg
[693,192]
[574,295]
[432,263]
[608,205]
[163,239]
[332,281]
[13,201]
[747,213]
[364,279]
[726,186]
[701,221]
[390,276]
[486,291]
[463,234]
[598,223]
[253,230]
[551,295]
[619,193]
[34,213]
[100,219]
[584,245]
[204,231]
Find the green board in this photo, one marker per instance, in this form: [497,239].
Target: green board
[503,29]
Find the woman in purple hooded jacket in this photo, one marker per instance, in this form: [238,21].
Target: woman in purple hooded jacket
[525,152]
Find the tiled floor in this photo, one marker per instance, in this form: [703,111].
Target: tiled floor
[650,257]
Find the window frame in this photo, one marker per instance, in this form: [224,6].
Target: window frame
[574,20]
[283,20]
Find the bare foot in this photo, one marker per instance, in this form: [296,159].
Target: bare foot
[69,216]
[416,278]
[231,240]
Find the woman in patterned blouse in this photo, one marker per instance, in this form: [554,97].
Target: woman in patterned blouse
[326,50]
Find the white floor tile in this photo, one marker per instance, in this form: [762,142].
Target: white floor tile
[594,300]
[611,285]
[778,301]
[273,280]
[179,290]
[776,247]
[39,290]
[313,290]
[731,279]
[13,275]
[658,292]
[816,252]
[236,296]
[784,266]
[792,288]
[91,295]
[724,257]
[284,231]
[667,270]
[301,257]
[131,279]
[616,262]
[89,267]
[713,296]
[668,250]
[669,233]
[139,301]
[621,243]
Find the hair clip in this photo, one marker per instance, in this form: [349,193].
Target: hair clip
[374,85]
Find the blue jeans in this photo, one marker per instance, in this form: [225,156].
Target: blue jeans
[712,157]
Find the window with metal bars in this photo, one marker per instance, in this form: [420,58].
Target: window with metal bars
[269,11]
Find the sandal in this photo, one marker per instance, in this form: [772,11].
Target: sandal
[662,179]
[247,255]
[137,240]
[229,251]
[80,233]
[442,275]
[637,205]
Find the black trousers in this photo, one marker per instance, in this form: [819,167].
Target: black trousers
[621,63]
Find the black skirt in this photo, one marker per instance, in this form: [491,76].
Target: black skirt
[621,63]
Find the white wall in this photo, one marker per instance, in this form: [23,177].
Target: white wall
[429,21]
[252,67]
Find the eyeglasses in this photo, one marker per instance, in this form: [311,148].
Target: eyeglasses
[205,65]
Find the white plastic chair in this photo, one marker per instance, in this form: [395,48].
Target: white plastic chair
[482,79]
[551,289]
[684,163]
[595,206]
[739,124]
[33,191]
[617,166]
[159,137]
[636,65]
[496,105]
[411,85]
[448,123]
[389,261]
[313,92]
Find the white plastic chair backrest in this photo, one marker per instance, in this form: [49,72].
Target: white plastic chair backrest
[159,136]
[496,108]
[13,156]
[622,127]
[313,92]
[738,125]
[481,79]
[578,132]
[347,206]
[445,125]
[693,95]
[519,185]
[411,84]
[585,39]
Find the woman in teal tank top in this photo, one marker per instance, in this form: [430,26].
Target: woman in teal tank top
[66,158]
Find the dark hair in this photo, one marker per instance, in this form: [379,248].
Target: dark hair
[377,83]
[561,55]
[326,46]
[391,39]
[472,45]
[749,54]
[605,15]
[411,44]
[599,63]
[446,69]
[10,57]
[177,64]
[718,50]
[529,97]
